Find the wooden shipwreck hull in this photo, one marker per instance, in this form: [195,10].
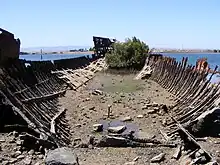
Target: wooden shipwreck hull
[195,95]
[32,94]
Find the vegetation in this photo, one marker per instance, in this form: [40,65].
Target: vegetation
[91,49]
[130,54]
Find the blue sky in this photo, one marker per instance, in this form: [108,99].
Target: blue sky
[160,23]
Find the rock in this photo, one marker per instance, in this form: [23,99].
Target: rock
[155,104]
[87,99]
[17,153]
[5,162]
[117,129]
[38,163]
[130,163]
[20,157]
[158,158]
[164,122]
[97,127]
[97,92]
[78,125]
[40,156]
[128,118]
[143,136]
[136,159]
[151,111]
[112,141]
[12,161]
[140,116]
[2,140]
[27,160]
[31,152]
[61,156]
[92,108]
[19,142]
[177,152]
[199,153]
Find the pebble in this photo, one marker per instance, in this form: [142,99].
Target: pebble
[19,142]
[117,129]
[17,153]
[27,160]
[128,118]
[78,125]
[31,152]
[140,116]
[40,156]
[20,157]
[130,163]
[97,127]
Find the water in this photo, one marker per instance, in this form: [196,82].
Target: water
[51,57]
[213,58]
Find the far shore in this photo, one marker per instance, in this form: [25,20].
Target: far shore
[59,53]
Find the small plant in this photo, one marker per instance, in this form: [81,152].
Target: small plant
[129,54]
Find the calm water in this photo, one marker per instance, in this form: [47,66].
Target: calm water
[51,57]
[213,59]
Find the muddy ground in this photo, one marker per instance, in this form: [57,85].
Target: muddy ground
[127,97]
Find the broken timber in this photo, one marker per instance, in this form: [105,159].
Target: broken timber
[193,89]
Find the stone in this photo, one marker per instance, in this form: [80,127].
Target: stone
[199,153]
[27,160]
[158,158]
[130,163]
[5,162]
[40,156]
[117,129]
[61,156]
[128,118]
[97,92]
[78,125]
[164,122]
[152,111]
[13,160]
[20,157]
[92,108]
[140,116]
[97,127]
[19,142]
[142,136]
[31,152]
[17,153]
[87,99]
[112,141]
[177,152]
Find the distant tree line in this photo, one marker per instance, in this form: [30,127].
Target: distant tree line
[216,51]
[78,50]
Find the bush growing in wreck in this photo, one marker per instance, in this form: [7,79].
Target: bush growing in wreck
[130,54]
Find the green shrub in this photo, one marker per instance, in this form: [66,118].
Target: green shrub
[129,54]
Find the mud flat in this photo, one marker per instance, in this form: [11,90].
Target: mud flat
[128,98]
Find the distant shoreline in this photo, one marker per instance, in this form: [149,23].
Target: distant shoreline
[189,53]
[58,53]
